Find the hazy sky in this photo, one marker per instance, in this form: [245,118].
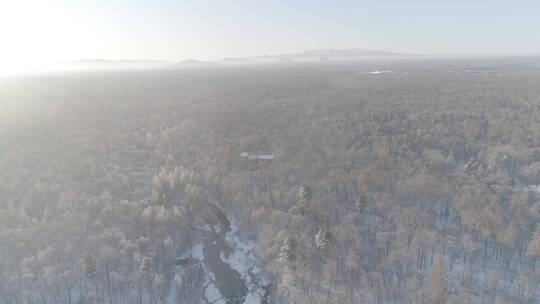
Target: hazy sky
[36,32]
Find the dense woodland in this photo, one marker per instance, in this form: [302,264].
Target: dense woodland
[416,186]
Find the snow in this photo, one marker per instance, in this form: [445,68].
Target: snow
[197,251]
[245,259]
[252,298]
[171,299]
[213,229]
[211,293]
[378,72]
[535,188]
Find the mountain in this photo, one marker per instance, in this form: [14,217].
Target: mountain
[195,64]
[119,61]
[105,64]
[236,61]
[350,53]
[336,54]
[308,56]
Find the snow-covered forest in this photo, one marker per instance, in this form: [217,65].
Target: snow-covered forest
[417,185]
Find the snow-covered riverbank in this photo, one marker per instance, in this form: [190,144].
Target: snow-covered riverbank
[246,260]
[240,255]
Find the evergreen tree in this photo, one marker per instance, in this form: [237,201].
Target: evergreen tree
[89,266]
[361,203]
[305,193]
[288,253]
[323,240]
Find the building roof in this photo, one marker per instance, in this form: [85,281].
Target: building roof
[257,156]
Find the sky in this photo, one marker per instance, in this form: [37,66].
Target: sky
[37,33]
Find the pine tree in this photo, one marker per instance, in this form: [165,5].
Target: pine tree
[361,203]
[305,193]
[323,240]
[89,266]
[146,270]
[533,250]
[288,253]
[146,276]
[352,268]
[438,279]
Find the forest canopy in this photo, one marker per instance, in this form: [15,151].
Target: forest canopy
[417,186]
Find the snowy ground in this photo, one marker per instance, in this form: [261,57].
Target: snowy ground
[211,293]
[377,72]
[245,259]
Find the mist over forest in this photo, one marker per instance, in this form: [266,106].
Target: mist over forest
[381,181]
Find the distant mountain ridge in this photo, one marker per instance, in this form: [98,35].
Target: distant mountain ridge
[195,64]
[113,64]
[99,60]
[338,53]
[313,56]
[351,52]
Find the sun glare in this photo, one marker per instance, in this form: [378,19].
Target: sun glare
[35,35]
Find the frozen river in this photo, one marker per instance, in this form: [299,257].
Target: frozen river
[233,268]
